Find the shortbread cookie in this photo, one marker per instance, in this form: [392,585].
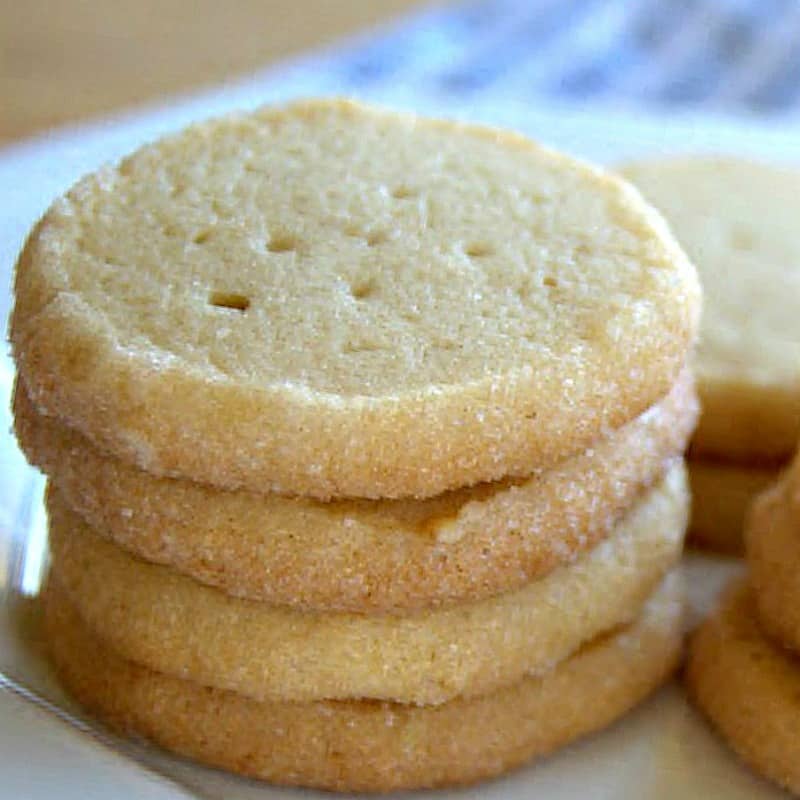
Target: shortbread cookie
[791,481]
[329,299]
[721,496]
[773,552]
[738,223]
[173,624]
[368,745]
[749,688]
[365,556]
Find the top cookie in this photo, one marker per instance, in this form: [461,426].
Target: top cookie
[329,299]
[739,224]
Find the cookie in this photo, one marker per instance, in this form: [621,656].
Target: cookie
[722,493]
[738,222]
[368,745]
[365,556]
[351,302]
[791,481]
[773,553]
[164,620]
[749,688]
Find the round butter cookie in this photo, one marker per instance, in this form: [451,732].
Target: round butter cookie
[329,300]
[157,617]
[369,745]
[773,554]
[791,481]
[738,222]
[721,496]
[749,688]
[365,555]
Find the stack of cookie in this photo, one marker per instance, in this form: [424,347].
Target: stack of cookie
[364,435]
[744,667]
[738,223]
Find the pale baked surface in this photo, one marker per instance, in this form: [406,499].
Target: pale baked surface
[722,493]
[365,556]
[738,222]
[351,302]
[154,616]
[773,554]
[748,688]
[372,746]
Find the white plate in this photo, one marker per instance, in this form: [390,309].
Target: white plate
[662,750]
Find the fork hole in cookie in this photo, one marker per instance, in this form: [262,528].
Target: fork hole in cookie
[403,192]
[356,348]
[375,238]
[372,238]
[550,281]
[478,249]
[363,290]
[742,239]
[281,243]
[230,301]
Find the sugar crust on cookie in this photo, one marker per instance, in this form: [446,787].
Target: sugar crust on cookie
[365,556]
[369,746]
[171,623]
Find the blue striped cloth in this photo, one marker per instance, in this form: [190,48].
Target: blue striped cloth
[727,55]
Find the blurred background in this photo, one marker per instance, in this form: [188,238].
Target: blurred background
[63,60]
[66,60]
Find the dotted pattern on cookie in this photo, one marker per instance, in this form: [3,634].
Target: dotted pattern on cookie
[351,302]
